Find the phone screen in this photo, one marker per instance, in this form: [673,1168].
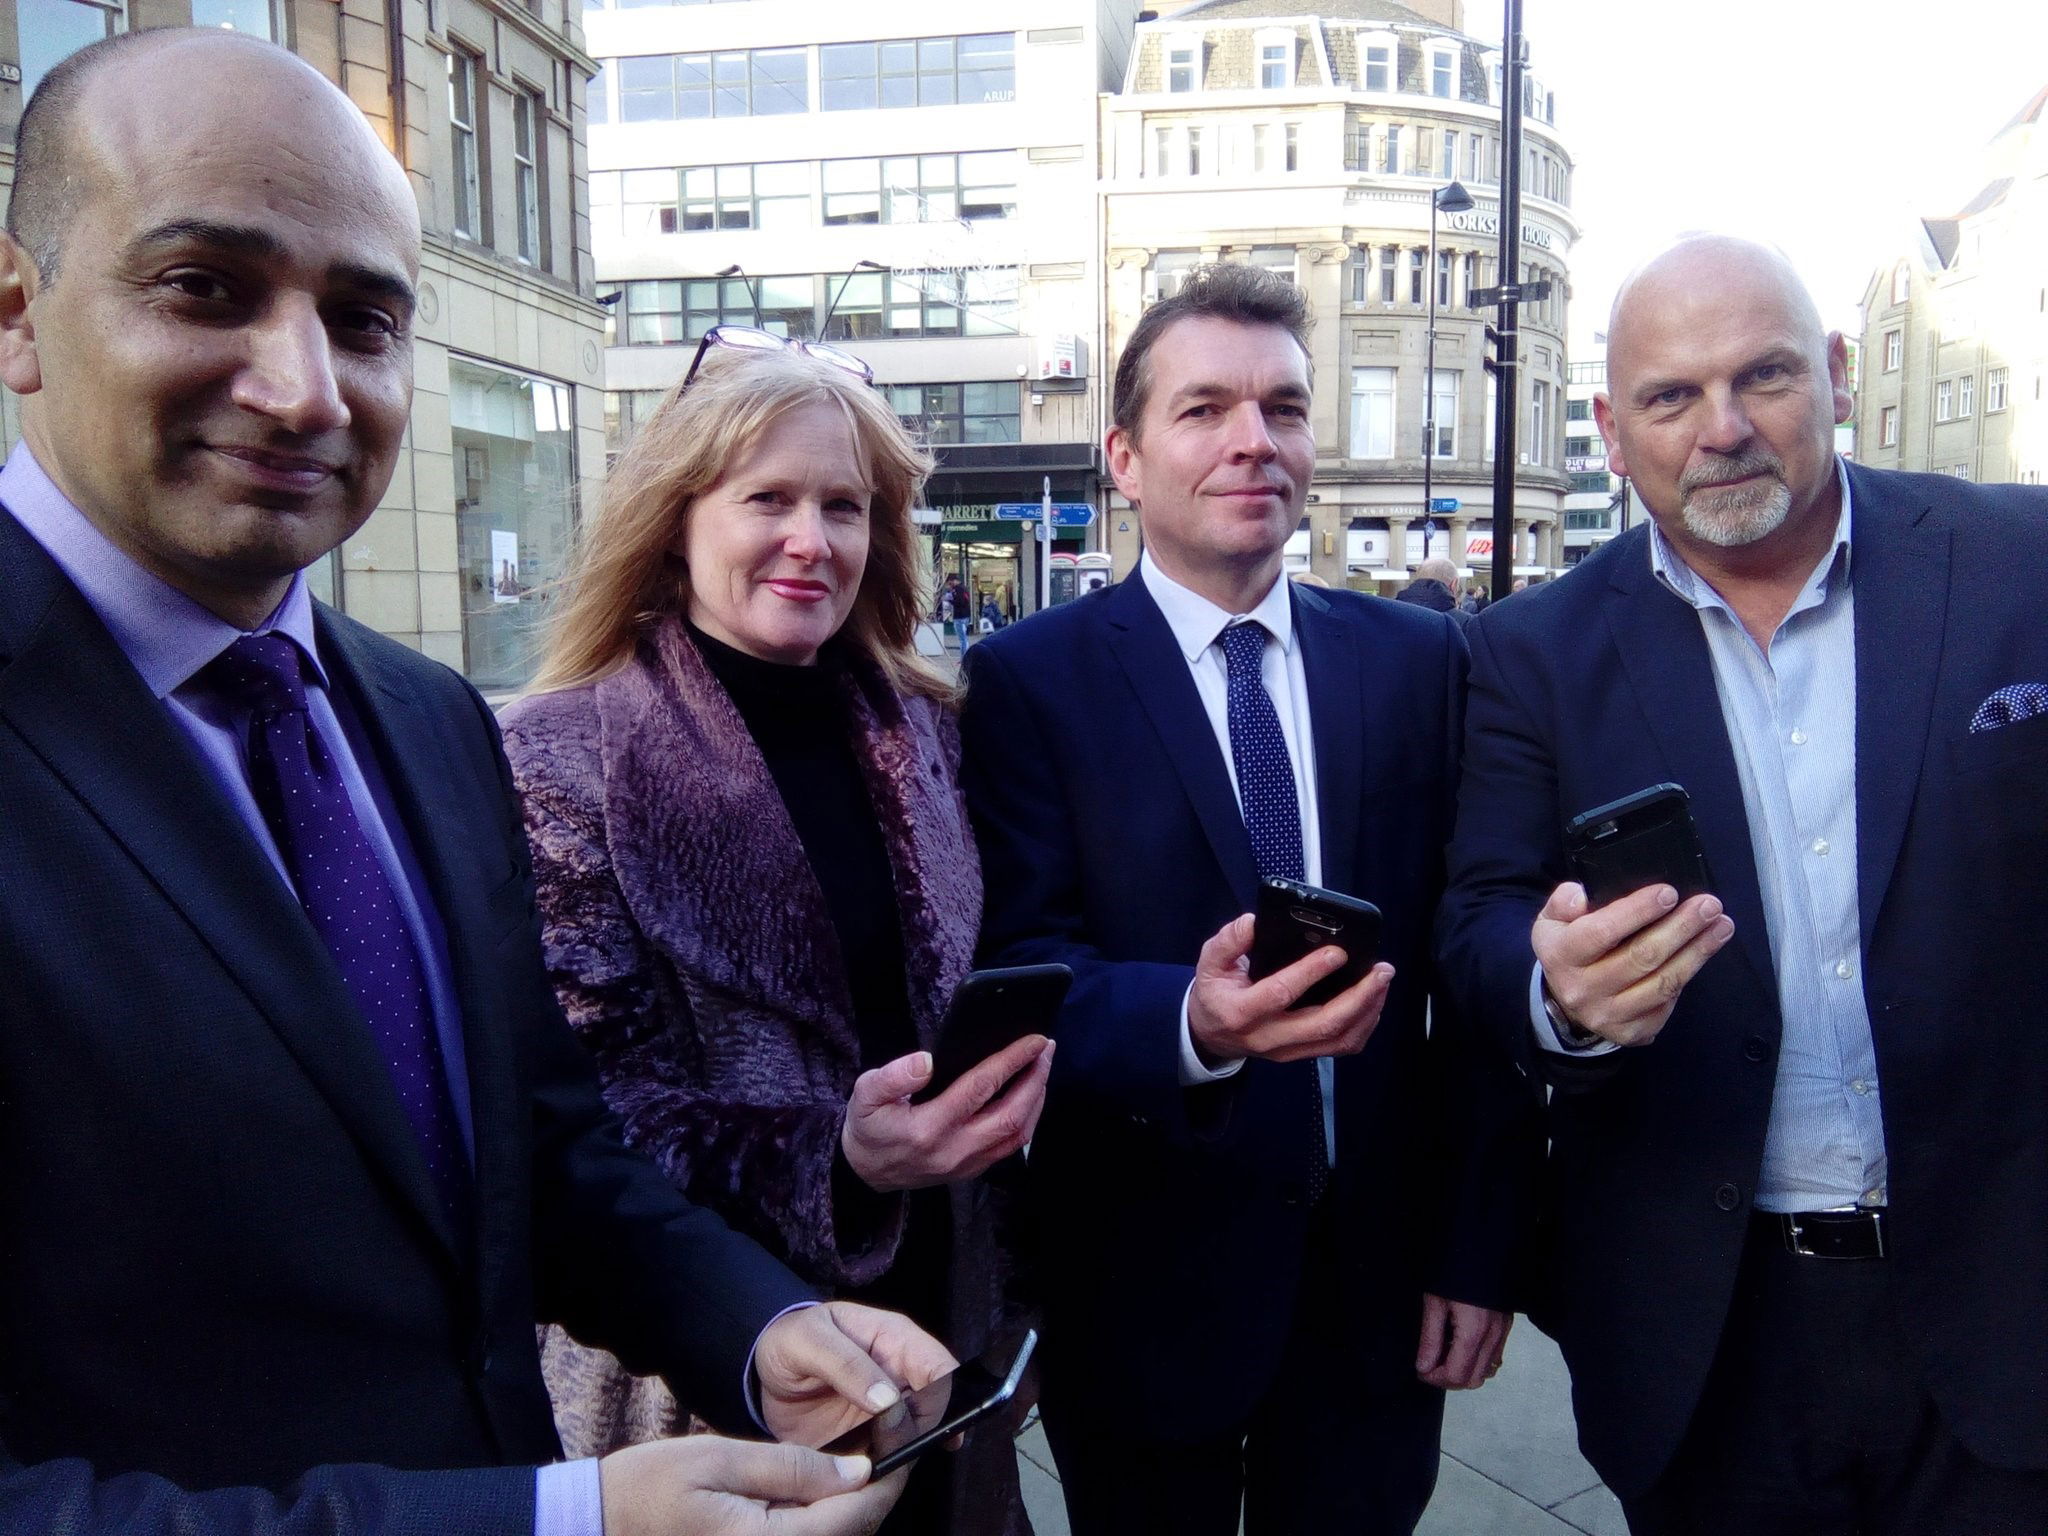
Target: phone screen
[935,1411]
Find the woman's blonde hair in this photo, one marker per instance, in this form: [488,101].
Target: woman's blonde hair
[629,576]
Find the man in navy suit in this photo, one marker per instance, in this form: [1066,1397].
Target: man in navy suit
[1250,1214]
[1800,1124]
[295,1146]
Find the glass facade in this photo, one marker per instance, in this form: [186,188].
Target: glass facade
[515,477]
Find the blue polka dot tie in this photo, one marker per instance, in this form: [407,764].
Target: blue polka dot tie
[1270,802]
[344,890]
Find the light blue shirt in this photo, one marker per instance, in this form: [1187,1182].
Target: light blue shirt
[169,639]
[1791,720]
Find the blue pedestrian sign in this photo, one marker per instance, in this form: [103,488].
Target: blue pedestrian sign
[1443,504]
[1065,514]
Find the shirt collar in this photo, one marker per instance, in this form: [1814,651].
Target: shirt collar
[165,635]
[1669,567]
[1196,622]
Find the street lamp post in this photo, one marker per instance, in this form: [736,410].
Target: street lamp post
[1451,199]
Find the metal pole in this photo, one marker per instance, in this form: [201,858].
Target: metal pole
[1429,386]
[1507,394]
[1045,546]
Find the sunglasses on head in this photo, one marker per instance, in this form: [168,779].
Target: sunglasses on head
[748,338]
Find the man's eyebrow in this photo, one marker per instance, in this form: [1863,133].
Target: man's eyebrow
[1206,390]
[245,240]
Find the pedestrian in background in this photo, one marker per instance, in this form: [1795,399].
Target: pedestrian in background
[1435,587]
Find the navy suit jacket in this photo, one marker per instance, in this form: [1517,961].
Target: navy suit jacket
[1600,684]
[222,1261]
[1173,1219]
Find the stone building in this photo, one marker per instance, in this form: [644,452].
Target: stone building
[915,185]
[482,101]
[1311,141]
[1955,328]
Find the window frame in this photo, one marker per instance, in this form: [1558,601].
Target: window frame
[469,209]
[529,114]
[1375,389]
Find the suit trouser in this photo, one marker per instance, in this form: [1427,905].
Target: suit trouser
[1323,1453]
[1814,1423]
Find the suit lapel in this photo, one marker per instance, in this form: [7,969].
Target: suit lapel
[1901,582]
[1665,655]
[1142,643]
[78,704]
[1335,673]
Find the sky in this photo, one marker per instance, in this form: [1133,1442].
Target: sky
[1825,126]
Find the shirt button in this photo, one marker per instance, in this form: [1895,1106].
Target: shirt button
[1727,1197]
[1860,1086]
[1873,1196]
[1820,846]
[1842,969]
[1755,1048]
[1798,738]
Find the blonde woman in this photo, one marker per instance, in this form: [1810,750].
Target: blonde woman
[756,879]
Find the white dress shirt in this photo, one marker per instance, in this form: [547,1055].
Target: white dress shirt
[1198,626]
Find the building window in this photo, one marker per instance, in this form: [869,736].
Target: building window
[50,31]
[776,196]
[515,482]
[1262,147]
[1444,260]
[1170,270]
[766,82]
[1379,66]
[599,99]
[1276,66]
[654,313]
[1894,350]
[1578,410]
[1390,257]
[919,189]
[462,117]
[1888,427]
[1472,284]
[1291,135]
[1162,151]
[1944,400]
[960,413]
[1276,259]
[1443,65]
[1966,394]
[1181,69]
[1361,274]
[1194,142]
[1391,164]
[526,119]
[1372,413]
[1591,518]
[1995,386]
[1450,154]
[625,411]
[1539,423]
[251,17]
[1901,283]
[1358,146]
[1417,260]
[1446,445]
[918,72]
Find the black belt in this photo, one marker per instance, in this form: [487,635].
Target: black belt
[1826,1234]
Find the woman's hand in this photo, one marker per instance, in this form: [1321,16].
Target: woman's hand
[894,1144]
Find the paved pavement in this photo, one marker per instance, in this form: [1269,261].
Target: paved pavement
[1511,1466]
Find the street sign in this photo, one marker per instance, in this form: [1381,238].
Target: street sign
[1066,514]
[1443,504]
[1486,298]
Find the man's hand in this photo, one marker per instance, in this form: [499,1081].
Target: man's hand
[1461,1344]
[1230,1016]
[894,1144]
[1617,972]
[824,1369]
[707,1485]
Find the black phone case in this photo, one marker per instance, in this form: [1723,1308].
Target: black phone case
[990,1010]
[1647,838]
[1294,919]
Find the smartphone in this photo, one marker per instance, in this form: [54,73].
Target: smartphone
[936,1411]
[1294,920]
[990,1010]
[1647,838]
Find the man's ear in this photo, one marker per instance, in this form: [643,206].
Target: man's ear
[1838,377]
[1120,453]
[1603,418]
[21,369]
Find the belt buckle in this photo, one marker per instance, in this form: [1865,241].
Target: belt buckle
[1795,1234]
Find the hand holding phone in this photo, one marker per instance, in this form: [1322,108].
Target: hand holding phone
[937,1411]
[1294,920]
[1231,1016]
[1614,963]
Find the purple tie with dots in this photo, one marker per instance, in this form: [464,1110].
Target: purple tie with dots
[344,890]
[1269,800]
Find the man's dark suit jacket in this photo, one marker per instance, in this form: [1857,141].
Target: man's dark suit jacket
[221,1258]
[1599,684]
[1173,1220]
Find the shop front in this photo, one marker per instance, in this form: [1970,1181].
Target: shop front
[989,553]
